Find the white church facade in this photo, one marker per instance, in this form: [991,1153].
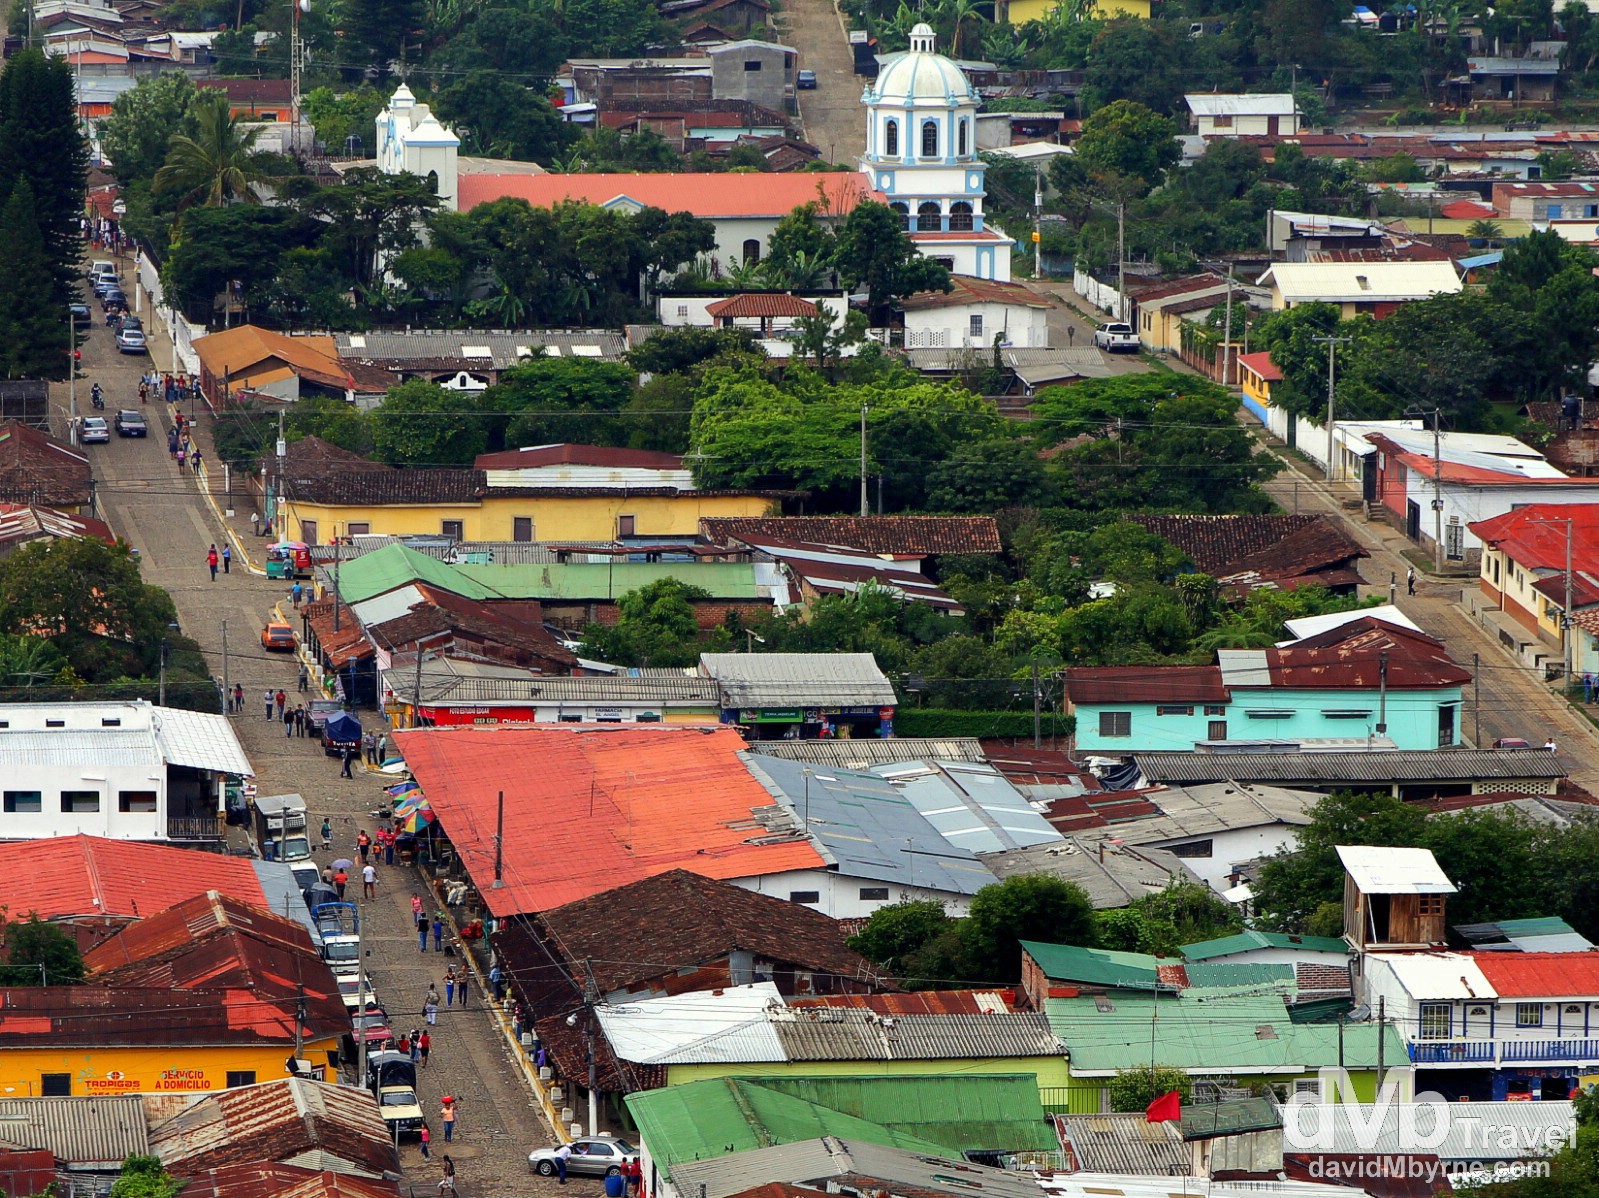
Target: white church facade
[410,140]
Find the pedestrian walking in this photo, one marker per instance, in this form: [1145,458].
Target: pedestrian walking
[183,454]
[269,698]
[1410,581]
[227,559]
[449,986]
[281,699]
[438,934]
[211,560]
[388,838]
[340,881]
[432,996]
[412,1047]
[299,719]
[383,746]
[634,1172]
[369,881]
[416,907]
[255,524]
[426,1043]
[363,844]
[1587,688]
[424,1138]
[288,724]
[369,744]
[421,933]
[430,1012]
[349,756]
[497,981]
[295,592]
[405,1043]
[562,1155]
[460,986]
[447,1182]
[447,1113]
[144,391]
[194,459]
[305,678]
[327,834]
[238,696]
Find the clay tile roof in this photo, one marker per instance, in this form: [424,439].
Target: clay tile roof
[251,91]
[315,471]
[908,535]
[570,454]
[1146,684]
[37,469]
[680,919]
[761,305]
[965,289]
[485,622]
[1274,547]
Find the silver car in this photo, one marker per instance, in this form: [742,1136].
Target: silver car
[93,430]
[592,1156]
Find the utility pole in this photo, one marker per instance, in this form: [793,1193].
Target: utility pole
[1476,700]
[1121,260]
[416,695]
[1332,367]
[1382,693]
[1227,335]
[1038,696]
[1038,222]
[1382,1028]
[271,513]
[866,507]
[161,699]
[499,842]
[1438,495]
[226,692]
[72,361]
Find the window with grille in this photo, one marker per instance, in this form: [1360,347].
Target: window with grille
[1115,723]
[1529,1014]
[1435,1021]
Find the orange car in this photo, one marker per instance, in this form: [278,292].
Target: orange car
[278,637]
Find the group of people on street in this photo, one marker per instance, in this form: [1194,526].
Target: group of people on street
[297,721]
[225,559]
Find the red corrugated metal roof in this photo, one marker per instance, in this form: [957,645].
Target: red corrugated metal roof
[1534,537]
[1145,684]
[1262,365]
[588,809]
[90,875]
[1350,657]
[701,195]
[569,454]
[266,1179]
[921,1002]
[1468,210]
[1541,975]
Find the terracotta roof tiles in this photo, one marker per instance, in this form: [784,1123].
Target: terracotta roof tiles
[1273,547]
[1145,684]
[760,305]
[910,535]
[37,469]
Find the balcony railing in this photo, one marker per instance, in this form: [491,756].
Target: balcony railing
[1550,1050]
[204,827]
[1456,1052]
[1449,1052]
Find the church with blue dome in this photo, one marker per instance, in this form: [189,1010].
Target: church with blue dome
[921,153]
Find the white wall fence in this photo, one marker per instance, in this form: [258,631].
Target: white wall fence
[1102,295]
[182,333]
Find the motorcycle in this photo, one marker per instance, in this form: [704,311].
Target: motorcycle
[96,397]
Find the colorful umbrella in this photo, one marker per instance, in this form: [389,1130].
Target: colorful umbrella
[405,787]
[418,819]
[410,804]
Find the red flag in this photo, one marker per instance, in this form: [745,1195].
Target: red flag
[1168,1108]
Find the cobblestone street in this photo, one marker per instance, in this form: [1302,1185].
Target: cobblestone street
[162,510]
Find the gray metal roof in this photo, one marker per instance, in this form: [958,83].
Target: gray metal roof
[1118,878]
[82,1133]
[202,740]
[799,679]
[972,804]
[505,348]
[1480,1131]
[867,829]
[863,754]
[1386,765]
[828,1157]
[850,1034]
[78,746]
[454,680]
[1123,1143]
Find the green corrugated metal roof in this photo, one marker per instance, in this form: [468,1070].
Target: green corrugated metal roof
[708,1119]
[393,566]
[1206,1120]
[600,580]
[1000,1112]
[1208,975]
[1095,966]
[1245,942]
[1223,1032]
[1546,925]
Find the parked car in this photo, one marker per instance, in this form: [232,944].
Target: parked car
[130,321]
[277,637]
[1512,742]
[102,283]
[350,990]
[131,424]
[1116,339]
[80,313]
[130,341]
[805,81]
[114,298]
[373,1027]
[102,266]
[93,430]
[592,1156]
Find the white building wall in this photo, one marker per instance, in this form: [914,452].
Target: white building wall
[839,894]
[108,784]
[1464,503]
[676,311]
[1228,848]
[950,327]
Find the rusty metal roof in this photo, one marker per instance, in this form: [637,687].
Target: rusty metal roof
[294,1121]
[262,1180]
[81,1133]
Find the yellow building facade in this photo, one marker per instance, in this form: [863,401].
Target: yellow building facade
[521,517]
[1022,11]
[152,1069]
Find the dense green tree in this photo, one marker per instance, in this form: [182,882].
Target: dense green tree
[963,671]
[143,122]
[33,340]
[518,38]
[368,219]
[40,142]
[379,33]
[421,424]
[1025,907]
[678,350]
[548,400]
[984,476]
[655,626]
[28,661]
[40,954]
[1132,1090]
[501,118]
[1143,62]
[145,1177]
[875,252]
[1552,279]
[242,244]
[1126,139]
[214,167]
[894,933]
[336,115]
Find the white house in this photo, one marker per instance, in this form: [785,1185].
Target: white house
[1268,115]
[1358,288]
[921,152]
[127,771]
[973,314]
[764,313]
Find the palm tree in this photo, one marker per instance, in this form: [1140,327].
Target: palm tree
[1484,230]
[961,14]
[212,168]
[800,272]
[745,273]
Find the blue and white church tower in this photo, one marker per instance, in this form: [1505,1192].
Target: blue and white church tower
[921,151]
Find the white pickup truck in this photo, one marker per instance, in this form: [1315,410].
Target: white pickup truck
[1116,339]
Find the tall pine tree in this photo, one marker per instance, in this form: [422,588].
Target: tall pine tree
[33,326]
[40,141]
[383,32]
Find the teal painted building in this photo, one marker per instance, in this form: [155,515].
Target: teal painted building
[1366,679]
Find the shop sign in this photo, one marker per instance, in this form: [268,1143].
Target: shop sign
[771,715]
[608,713]
[183,1079]
[115,1082]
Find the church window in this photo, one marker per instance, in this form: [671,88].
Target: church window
[960,217]
[433,182]
[929,139]
[891,138]
[904,212]
[927,217]
[752,251]
[963,150]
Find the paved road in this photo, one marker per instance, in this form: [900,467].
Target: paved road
[1509,699]
[831,116]
[160,509]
